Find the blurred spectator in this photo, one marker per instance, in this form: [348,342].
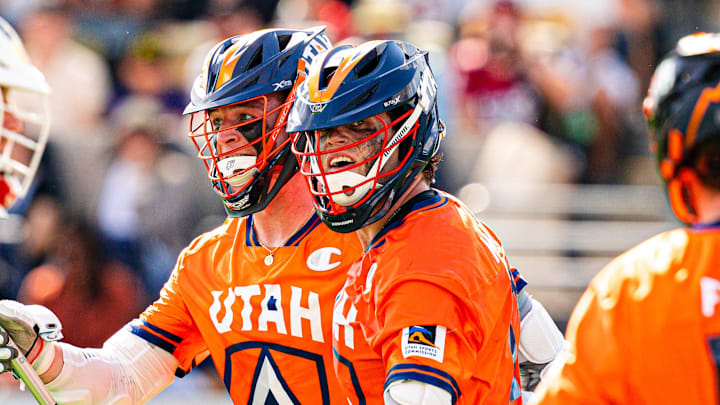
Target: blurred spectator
[36,236]
[146,69]
[28,234]
[78,279]
[640,36]
[224,19]
[591,93]
[494,86]
[491,87]
[79,77]
[563,77]
[378,19]
[153,197]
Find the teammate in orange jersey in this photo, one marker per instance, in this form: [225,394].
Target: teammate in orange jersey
[429,314]
[256,294]
[647,330]
[25,125]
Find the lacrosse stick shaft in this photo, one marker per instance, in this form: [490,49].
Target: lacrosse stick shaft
[32,381]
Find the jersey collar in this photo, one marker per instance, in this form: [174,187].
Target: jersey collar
[294,240]
[712,225]
[426,200]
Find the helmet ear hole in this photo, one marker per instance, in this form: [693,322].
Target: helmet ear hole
[681,198]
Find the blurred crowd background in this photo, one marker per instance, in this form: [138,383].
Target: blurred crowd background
[532,92]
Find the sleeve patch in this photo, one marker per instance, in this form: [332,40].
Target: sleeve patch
[424,341]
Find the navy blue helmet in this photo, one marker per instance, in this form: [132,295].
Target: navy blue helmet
[682,109]
[244,69]
[383,90]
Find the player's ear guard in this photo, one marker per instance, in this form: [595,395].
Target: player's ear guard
[540,338]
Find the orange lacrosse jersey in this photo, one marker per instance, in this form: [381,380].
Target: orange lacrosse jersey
[431,300]
[266,326]
[647,330]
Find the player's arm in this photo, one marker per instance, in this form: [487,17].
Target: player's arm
[127,369]
[540,341]
[415,376]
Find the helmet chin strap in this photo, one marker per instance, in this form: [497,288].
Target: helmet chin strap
[347,188]
[230,165]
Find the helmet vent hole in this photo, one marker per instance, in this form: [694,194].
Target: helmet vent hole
[368,64]
[283,41]
[327,75]
[712,74]
[256,59]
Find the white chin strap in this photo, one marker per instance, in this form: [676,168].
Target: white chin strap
[230,165]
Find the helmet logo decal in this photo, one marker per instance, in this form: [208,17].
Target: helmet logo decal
[392,101]
[316,108]
[281,85]
[241,204]
[321,259]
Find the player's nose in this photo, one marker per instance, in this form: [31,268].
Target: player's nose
[335,137]
[230,138]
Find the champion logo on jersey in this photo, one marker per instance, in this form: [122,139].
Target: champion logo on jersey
[424,341]
[322,259]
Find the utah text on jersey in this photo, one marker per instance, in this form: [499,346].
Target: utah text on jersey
[267,327]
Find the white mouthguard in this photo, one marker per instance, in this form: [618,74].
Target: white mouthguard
[232,164]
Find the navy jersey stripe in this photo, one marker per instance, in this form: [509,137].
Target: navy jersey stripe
[311,224]
[294,240]
[162,332]
[714,346]
[249,234]
[353,376]
[154,339]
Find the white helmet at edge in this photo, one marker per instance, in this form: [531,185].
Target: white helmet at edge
[24,118]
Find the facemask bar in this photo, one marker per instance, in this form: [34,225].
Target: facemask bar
[227,182]
[334,199]
[22,150]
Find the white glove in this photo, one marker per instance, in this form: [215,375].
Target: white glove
[25,323]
